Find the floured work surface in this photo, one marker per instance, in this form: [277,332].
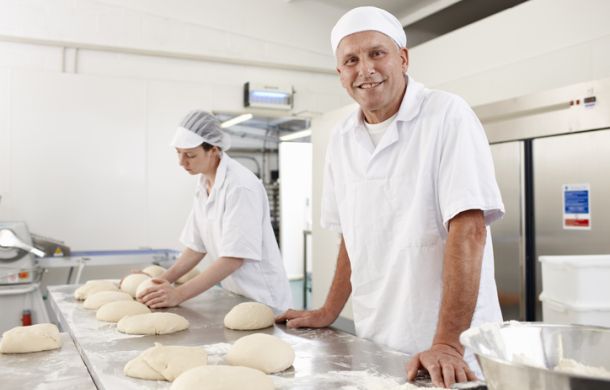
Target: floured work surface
[57,369]
[325,358]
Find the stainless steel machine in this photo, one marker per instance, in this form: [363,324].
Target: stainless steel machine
[20,275]
[552,156]
[22,288]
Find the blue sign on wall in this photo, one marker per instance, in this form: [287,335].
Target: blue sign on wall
[577,207]
[576,202]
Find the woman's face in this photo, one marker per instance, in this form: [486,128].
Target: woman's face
[197,160]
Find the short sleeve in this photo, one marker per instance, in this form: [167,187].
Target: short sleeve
[242,225]
[329,218]
[466,178]
[191,236]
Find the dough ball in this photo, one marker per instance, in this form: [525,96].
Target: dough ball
[222,378]
[95,301]
[248,351]
[152,323]
[138,368]
[165,362]
[33,338]
[249,316]
[154,271]
[114,311]
[131,282]
[93,286]
[143,286]
[188,276]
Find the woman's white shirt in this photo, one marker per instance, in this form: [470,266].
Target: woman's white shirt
[233,220]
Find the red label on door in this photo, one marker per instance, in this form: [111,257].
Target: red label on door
[577,222]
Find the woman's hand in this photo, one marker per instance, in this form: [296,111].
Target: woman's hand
[161,294]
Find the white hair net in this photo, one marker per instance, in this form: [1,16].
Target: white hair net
[198,127]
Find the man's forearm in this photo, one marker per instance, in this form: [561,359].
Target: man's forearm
[461,276]
[341,287]
[185,262]
[214,274]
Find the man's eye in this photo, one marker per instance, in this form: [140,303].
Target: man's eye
[350,61]
[377,53]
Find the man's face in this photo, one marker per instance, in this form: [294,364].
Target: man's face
[372,68]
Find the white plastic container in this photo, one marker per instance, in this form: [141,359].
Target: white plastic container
[555,312]
[577,280]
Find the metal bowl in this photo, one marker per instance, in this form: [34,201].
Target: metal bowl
[519,355]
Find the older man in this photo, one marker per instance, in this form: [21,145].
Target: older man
[410,186]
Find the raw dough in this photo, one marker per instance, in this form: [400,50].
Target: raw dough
[114,311]
[131,282]
[261,351]
[95,301]
[249,316]
[188,276]
[33,338]
[165,362]
[153,323]
[154,271]
[93,286]
[222,378]
[143,286]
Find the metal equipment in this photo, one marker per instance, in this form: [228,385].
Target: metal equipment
[524,356]
[549,148]
[17,263]
[21,284]
[20,274]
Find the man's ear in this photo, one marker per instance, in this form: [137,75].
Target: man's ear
[404,55]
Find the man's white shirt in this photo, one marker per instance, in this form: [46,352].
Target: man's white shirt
[392,203]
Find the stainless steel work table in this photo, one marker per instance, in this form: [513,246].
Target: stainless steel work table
[58,369]
[325,358]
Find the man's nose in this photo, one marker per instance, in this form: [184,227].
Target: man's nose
[366,67]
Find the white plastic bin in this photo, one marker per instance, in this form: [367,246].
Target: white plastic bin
[555,312]
[577,280]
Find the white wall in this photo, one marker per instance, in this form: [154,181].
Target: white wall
[535,46]
[78,159]
[268,31]
[538,45]
[91,92]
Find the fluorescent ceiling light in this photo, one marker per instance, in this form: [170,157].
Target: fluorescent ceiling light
[236,120]
[267,94]
[297,135]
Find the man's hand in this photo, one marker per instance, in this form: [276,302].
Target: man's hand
[162,294]
[340,290]
[444,363]
[306,318]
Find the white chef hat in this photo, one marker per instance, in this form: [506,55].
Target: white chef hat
[367,19]
[198,127]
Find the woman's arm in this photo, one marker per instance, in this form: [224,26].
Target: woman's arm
[187,260]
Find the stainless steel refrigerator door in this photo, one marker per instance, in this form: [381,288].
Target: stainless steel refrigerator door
[581,158]
[507,233]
